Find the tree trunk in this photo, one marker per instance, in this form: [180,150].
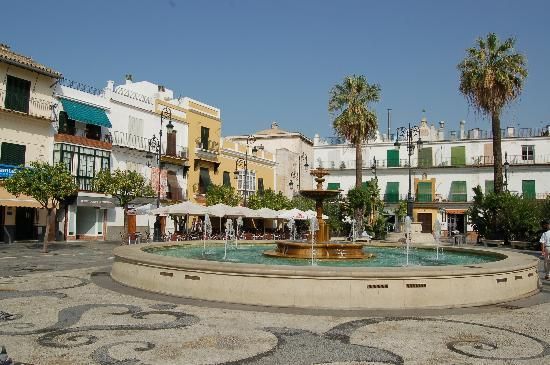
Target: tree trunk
[126,219]
[47,232]
[497,153]
[359,213]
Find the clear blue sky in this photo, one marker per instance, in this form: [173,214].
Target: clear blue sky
[262,61]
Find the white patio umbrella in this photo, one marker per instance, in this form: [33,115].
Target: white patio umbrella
[145,209]
[294,213]
[266,213]
[187,208]
[160,210]
[240,212]
[218,210]
[311,214]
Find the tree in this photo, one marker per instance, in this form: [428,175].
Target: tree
[269,199]
[353,120]
[302,203]
[216,194]
[124,186]
[48,185]
[491,76]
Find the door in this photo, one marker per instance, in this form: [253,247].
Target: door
[131,224]
[456,223]
[24,223]
[426,220]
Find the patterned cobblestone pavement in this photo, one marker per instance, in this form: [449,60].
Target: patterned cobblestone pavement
[62,308]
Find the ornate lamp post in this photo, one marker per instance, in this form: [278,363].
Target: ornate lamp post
[407,134]
[155,145]
[243,163]
[506,167]
[373,168]
[301,157]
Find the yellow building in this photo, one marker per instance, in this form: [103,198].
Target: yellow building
[211,159]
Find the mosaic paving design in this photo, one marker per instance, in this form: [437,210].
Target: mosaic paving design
[64,318]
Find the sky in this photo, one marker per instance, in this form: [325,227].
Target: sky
[261,61]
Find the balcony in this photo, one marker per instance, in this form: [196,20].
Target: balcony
[122,139]
[175,194]
[207,146]
[179,157]
[84,137]
[33,106]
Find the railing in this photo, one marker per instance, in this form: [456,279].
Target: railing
[34,105]
[132,95]
[210,146]
[81,87]
[181,151]
[123,139]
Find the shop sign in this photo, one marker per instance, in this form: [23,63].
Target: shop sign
[7,171]
[95,201]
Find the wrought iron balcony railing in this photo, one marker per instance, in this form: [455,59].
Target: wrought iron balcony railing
[34,105]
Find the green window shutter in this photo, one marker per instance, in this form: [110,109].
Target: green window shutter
[204,180]
[458,156]
[393,158]
[260,184]
[333,186]
[425,157]
[424,191]
[489,186]
[459,191]
[18,92]
[226,178]
[205,135]
[12,154]
[528,189]
[392,192]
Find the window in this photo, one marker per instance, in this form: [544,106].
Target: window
[459,192]
[528,189]
[204,180]
[425,157]
[489,186]
[66,125]
[528,153]
[18,93]
[393,158]
[226,178]
[458,156]
[205,136]
[93,132]
[83,163]
[261,185]
[424,191]
[135,126]
[333,186]
[250,182]
[12,154]
[392,192]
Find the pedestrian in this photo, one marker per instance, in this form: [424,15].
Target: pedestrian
[545,248]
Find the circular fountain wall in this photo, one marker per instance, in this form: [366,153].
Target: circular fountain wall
[510,277]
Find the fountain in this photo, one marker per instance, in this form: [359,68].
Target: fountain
[229,233]
[207,232]
[437,236]
[408,232]
[323,248]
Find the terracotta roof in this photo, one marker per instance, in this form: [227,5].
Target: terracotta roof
[8,56]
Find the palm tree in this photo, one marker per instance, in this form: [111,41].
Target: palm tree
[491,76]
[353,120]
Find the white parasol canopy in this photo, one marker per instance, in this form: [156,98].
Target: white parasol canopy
[312,214]
[187,208]
[266,213]
[218,210]
[160,210]
[145,209]
[294,213]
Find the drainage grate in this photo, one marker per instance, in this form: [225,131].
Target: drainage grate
[503,280]
[416,285]
[164,273]
[518,277]
[530,274]
[192,277]
[377,286]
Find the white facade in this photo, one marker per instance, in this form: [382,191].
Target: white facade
[526,150]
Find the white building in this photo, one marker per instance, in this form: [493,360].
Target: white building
[444,171]
[294,155]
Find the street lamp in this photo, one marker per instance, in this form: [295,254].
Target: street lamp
[373,168]
[506,167]
[301,157]
[243,163]
[407,134]
[155,145]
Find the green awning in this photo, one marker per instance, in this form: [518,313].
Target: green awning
[86,113]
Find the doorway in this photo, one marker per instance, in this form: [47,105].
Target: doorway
[457,223]
[24,223]
[426,220]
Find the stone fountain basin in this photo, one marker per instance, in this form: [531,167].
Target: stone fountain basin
[513,277]
[316,194]
[323,250]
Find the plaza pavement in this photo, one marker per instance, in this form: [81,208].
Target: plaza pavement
[62,308]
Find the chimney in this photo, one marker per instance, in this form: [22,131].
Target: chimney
[128,78]
[171,143]
[161,88]
[462,131]
[441,131]
[453,135]
[110,85]
[274,125]
[510,131]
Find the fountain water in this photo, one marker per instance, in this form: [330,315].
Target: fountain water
[408,224]
[313,227]
[322,248]
[229,232]
[437,236]
[351,221]
[291,224]
[207,232]
[239,225]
